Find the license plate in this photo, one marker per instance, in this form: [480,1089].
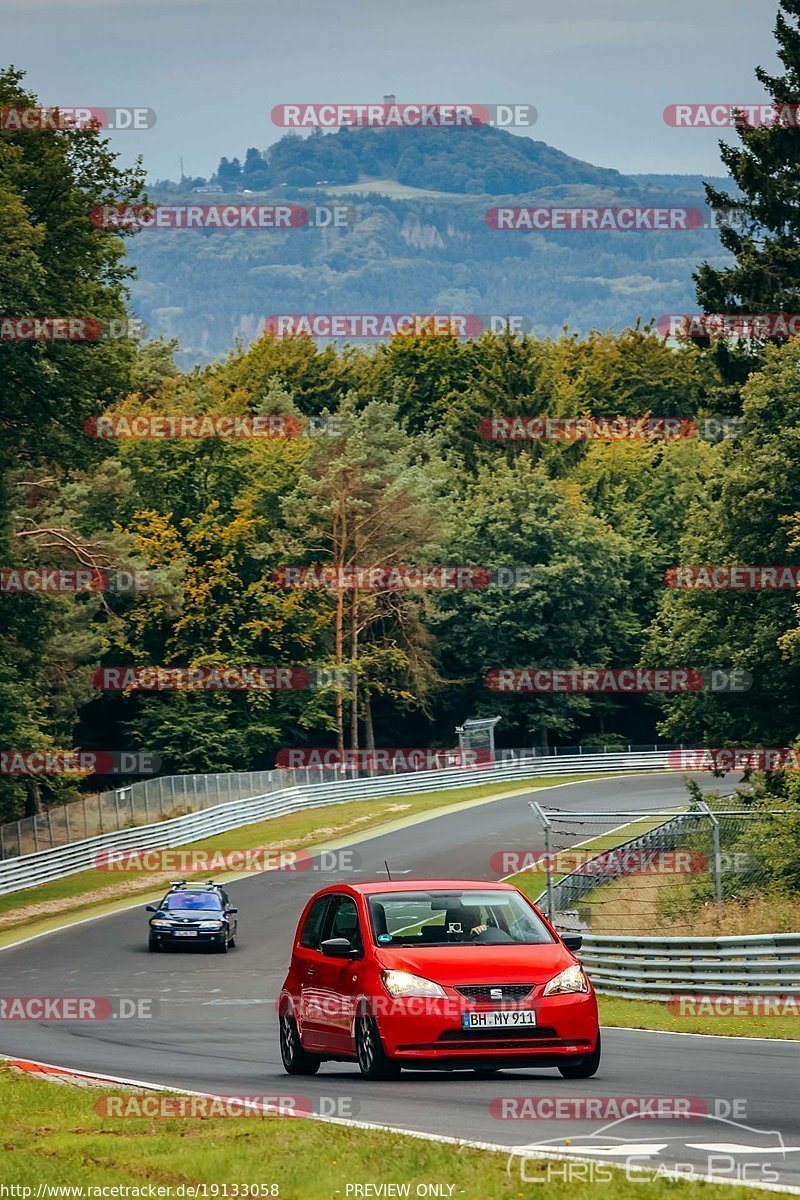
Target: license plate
[511,1017]
[185,933]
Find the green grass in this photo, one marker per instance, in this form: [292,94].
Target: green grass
[92,892]
[653,1014]
[53,1135]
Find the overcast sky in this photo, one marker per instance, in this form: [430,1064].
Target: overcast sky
[599,72]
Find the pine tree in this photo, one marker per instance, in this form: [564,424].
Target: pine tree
[765,237]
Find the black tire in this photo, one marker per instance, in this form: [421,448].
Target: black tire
[222,947]
[373,1062]
[583,1067]
[232,942]
[296,1061]
[153,944]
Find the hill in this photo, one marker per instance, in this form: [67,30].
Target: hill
[418,242]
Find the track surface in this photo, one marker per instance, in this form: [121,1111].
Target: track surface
[215,1029]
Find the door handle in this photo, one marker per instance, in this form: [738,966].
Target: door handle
[310,971]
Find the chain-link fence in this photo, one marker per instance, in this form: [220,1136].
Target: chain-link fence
[703,871]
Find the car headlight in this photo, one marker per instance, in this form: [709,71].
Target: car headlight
[211,924]
[161,924]
[403,983]
[571,980]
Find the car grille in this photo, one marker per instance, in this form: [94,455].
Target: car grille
[482,994]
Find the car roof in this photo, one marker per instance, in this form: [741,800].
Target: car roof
[425,885]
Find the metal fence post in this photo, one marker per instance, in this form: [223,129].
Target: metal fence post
[85,820]
[146,803]
[50,826]
[35,834]
[2,844]
[66,822]
[116,806]
[717,852]
[545,820]
[99,813]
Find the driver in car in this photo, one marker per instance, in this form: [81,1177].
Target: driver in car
[459,924]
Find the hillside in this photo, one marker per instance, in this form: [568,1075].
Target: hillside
[418,240]
[460,161]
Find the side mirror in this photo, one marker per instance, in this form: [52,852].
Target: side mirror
[573,941]
[337,948]
[151,908]
[233,910]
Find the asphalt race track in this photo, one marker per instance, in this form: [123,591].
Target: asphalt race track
[215,1026]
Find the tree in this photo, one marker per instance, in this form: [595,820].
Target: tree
[744,516]
[765,238]
[571,610]
[54,262]
[372,496]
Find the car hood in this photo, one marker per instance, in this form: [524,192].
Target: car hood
[187,919]
[477,964]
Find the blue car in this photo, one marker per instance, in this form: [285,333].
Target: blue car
[193,914]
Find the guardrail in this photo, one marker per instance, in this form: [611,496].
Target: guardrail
[27,870]
[657,968]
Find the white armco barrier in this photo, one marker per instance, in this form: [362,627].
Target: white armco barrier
[27,870]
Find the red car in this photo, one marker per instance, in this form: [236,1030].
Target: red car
[440,974]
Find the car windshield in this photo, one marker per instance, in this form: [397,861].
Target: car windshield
[446,918]
[193,901]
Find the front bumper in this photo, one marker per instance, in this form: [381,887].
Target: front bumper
[184,937]
[566,1026]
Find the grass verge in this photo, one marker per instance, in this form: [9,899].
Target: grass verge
[90,893]
[654,1014]
[54,1136]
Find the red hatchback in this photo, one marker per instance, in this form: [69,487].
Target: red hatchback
[441,974]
